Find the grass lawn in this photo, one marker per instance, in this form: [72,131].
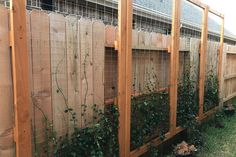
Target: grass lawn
[220,142]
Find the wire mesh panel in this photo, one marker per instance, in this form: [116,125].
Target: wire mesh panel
[191,30]
[74,70]
[150,71]
[211,95]
[74,79]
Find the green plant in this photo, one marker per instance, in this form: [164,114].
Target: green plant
[188,109]
[211,94]
[149,114]
[188,105]
[98,140]
[153,151]
[49,134]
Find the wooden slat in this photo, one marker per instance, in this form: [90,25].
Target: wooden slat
[220,63]
[203,51]
[229,97]
[73,67]
[230,52]
[174,64]
[22,130]
[124,74]
[59,73]
[6,93]
[86,68]
[141,39]
[110,34]
[135,38]
[231,76]
[41,72]
[194,58]
[98,63]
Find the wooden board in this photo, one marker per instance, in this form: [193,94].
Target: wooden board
[135,39]
[174,65]
[20,66]
[6,93]
[110,35]
[125,74]
[194,58]
[59,72]
[86,69]
[98,52]
[41,72]
[141,39]
[203,59]
[73,68]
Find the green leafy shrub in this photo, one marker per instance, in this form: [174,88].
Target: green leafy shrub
[188,108]
[149,117]
[188,105]
[211,94]
[98,140]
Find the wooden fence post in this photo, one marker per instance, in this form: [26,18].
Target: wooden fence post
[125,74]
[202,71]
[22,128]
[174,64]
[220,64]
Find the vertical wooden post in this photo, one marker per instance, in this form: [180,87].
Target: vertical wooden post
[220,66]
[203,50]
[22,128]
[174,63]
[125,74]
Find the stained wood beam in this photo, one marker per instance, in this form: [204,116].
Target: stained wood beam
[125,74]
[220,63]
[174,63]
[203,51]
[22,128]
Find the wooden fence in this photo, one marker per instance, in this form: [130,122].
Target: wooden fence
[61,48]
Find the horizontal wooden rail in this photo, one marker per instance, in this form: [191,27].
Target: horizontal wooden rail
[231,76]
[229,97]
[231,52]
[202,5]
[114,100]
[141,150]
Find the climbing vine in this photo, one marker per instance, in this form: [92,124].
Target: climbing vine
[188,107]
[211,94]
[97,140]
[149,115]
[93,140]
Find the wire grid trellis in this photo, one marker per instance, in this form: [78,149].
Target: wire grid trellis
[211,93]
[150,72]
[190,32]
[68,68]
[73,68]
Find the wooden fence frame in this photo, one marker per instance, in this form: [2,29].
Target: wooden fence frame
[20,68]
[22,129]
[174,64]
